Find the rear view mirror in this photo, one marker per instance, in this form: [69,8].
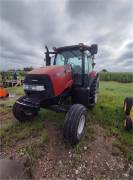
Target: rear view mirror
[94,49]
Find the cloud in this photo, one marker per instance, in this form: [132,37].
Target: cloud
[108,23]
[28,25]
[127,55]
[130,45]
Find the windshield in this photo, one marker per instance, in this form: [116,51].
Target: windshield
[73,57]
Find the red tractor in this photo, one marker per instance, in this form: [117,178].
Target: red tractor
[68,84]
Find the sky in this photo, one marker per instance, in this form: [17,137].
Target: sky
[26,26]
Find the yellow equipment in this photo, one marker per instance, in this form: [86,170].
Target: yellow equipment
[128,109]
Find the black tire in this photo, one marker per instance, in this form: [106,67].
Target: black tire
[21,115]
[94,92]
[128,123]
[128,103]
[73,130]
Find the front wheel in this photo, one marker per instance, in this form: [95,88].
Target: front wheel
[22,115]
[75,122]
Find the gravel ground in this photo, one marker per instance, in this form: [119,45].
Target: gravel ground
[94,158]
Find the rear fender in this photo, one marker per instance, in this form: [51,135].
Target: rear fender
[93,74]
[92,77]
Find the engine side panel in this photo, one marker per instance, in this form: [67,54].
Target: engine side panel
[61,80]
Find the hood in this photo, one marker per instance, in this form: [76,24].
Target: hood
[47,70]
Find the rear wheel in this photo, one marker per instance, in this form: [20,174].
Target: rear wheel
[75,122]
[94,92]
[21,114]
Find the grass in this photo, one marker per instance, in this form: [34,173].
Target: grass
[6,103]
[16,90]
[44,138]
[18,131]
[108,112]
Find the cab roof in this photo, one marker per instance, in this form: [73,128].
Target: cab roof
[73,47]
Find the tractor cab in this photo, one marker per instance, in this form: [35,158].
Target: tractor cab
[80,59]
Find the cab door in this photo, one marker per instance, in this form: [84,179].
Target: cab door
[88,69]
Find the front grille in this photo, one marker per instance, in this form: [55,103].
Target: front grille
[39,80]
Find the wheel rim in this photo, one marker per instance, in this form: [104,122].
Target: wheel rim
[81,125]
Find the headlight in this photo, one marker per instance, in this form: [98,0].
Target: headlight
[33,87]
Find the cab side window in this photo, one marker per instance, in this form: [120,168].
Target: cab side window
[88,62]
[60,60]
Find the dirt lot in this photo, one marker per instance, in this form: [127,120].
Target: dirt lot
[93,158]
[97,156]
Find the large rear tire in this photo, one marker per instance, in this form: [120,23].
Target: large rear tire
[75,122]
[94,92]
[22,115]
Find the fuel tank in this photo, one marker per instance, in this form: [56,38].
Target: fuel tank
[60,76]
